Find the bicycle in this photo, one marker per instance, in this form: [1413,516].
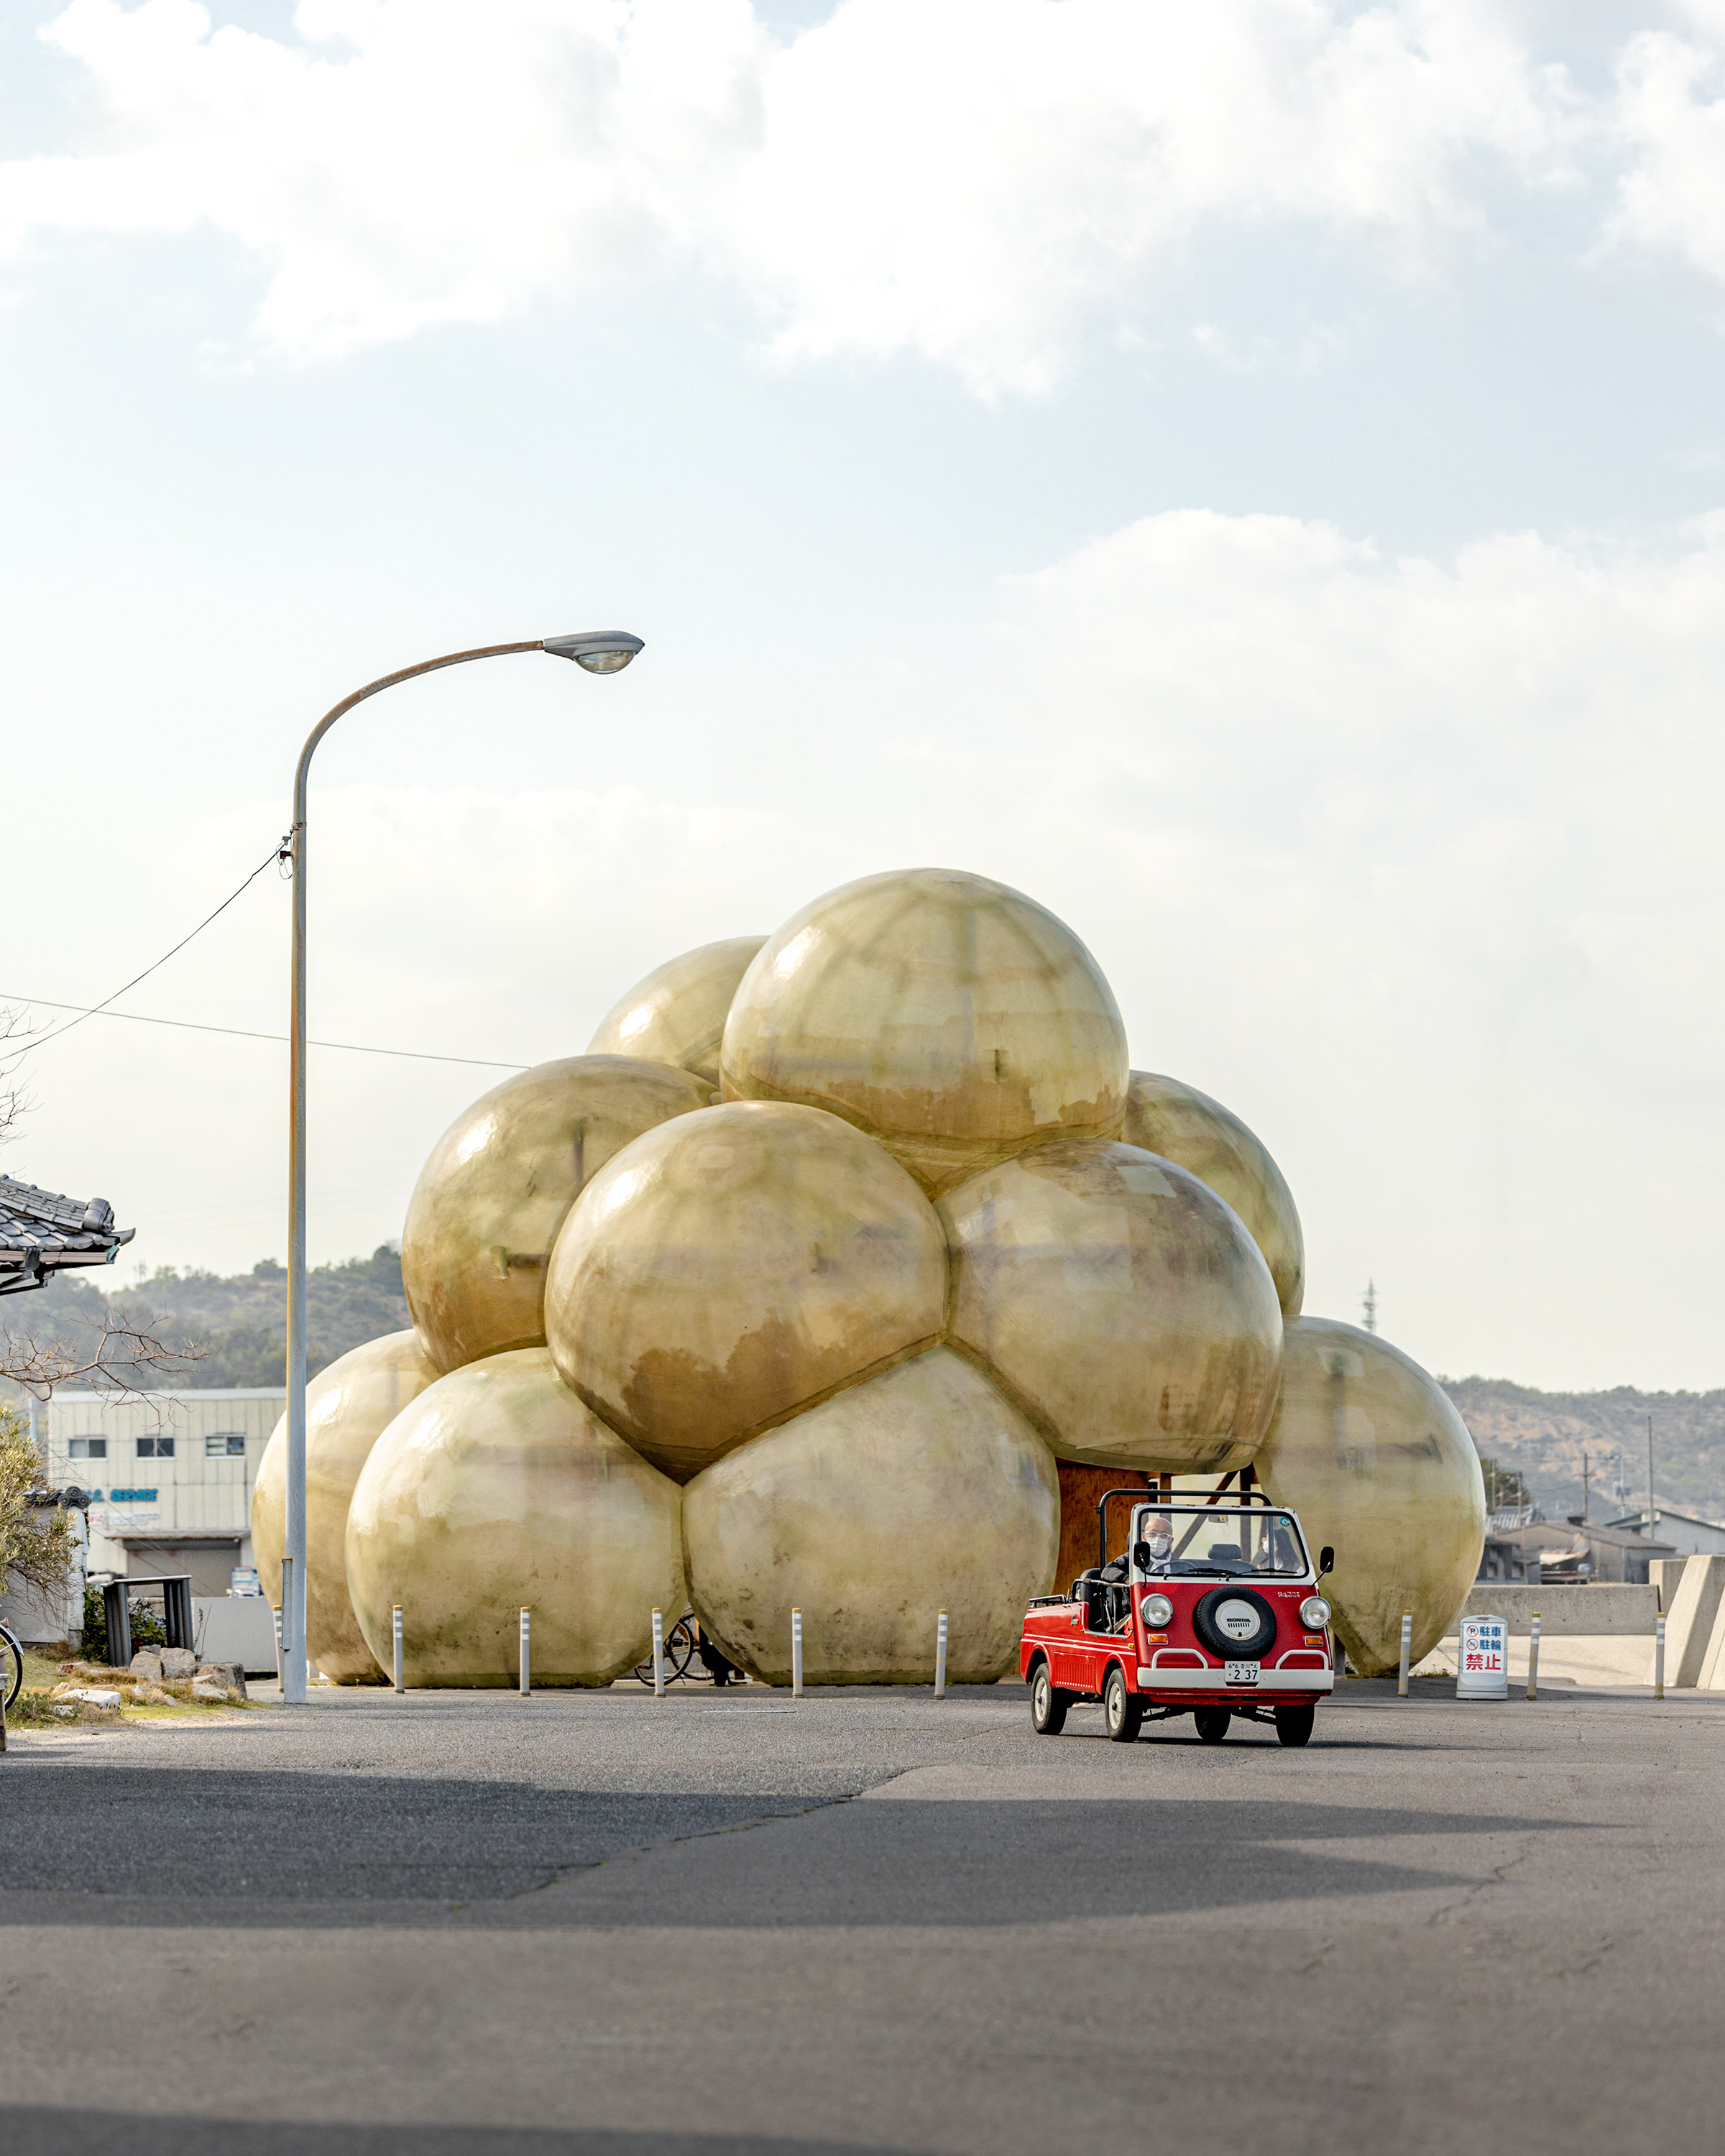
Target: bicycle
[680,1648]
[11,1651]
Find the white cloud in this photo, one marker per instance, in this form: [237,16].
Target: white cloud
[1671,116]
[962,179]
[1416,863]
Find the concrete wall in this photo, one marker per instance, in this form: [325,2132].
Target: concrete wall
[1592,1611]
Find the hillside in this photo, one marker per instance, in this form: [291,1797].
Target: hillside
[239,1323]
[1542,1435]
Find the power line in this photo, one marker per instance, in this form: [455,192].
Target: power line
[237,1033]
[96,1009]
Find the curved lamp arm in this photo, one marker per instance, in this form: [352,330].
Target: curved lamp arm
[604,651]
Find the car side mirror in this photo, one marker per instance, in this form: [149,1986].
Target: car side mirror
[1141,1556]
[1325,1560]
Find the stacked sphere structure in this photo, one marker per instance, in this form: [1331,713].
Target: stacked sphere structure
[831,1279]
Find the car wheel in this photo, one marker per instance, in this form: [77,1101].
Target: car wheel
[1293,1724]
[1048,1705]
[1122,1711]
[1213,1724]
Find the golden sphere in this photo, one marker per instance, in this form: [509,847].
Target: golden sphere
[917,1490]
[497,1488]
[1123,1305]
[951,1017]
[1371,1453]
[1201,1136]
[348,1405]
[731,1267]
[677,1014]
[488,1204]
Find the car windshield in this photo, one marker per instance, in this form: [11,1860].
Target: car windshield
[1216,1542]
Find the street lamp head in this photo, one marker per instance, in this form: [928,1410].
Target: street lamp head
[608,651]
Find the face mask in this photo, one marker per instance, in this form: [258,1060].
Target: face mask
[1159,1547]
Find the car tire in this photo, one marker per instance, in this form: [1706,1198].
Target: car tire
[1213,1723]
[1211,1636]
[1048,1703]
[1293,1724]
[1122,1711]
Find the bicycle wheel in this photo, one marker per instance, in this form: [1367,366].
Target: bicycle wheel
[11,1666]
[678,1651]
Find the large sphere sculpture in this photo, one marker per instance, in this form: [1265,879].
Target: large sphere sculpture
[918,1490]
[498,1489]
[488,1204]
[951,1017]
[1122,1304]
[348,1406]
[1185,1126]
[677,1015]
[1371,1453]
[733,1266]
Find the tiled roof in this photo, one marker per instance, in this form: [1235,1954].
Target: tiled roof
[40,1231]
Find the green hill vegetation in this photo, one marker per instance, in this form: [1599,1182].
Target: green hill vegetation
[235,1325]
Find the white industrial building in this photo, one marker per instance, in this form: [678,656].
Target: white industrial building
[170,1476]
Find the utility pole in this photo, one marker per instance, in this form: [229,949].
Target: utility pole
[1584,1486]
[1371,1302]
[1652,1514]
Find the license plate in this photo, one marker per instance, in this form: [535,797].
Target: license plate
[1240,1672]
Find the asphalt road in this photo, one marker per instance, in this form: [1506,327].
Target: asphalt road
[596,1926]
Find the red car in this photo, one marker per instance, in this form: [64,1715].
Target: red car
[1215,1613]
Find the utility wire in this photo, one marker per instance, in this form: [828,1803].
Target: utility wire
[273,855]
[236,1032]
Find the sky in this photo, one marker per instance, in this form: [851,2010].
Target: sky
[1252,477]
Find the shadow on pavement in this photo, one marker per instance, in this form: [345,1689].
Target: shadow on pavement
[168,1846]
[40,2130]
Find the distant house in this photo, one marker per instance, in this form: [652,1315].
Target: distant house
[1687,1534]
[1523,1545]
[170,1476]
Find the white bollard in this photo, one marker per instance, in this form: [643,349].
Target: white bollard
[285,1615]
[276,1614]
[940,1657]
[1659,1657]
[796,1654]
[395,1633]
[1401,1675]
[659,1654]
[526,1652]
[1534,1658]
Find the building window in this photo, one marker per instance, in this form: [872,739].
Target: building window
[87,1448]
[225,1444]
[155,1448]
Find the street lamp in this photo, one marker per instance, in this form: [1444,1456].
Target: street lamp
[605,651]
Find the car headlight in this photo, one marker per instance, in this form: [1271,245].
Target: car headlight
[1314,1613]
[1157,1610]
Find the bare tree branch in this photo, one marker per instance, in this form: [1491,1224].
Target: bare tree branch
[15,1103]
[121,1358]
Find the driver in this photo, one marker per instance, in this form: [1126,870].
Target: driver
[1158,1537]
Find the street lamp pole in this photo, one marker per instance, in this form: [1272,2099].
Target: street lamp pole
[606,651]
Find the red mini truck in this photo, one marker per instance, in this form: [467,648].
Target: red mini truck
[1214,1611]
